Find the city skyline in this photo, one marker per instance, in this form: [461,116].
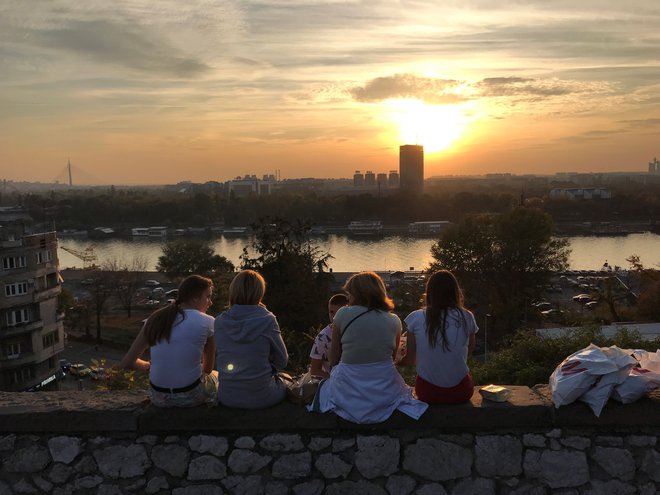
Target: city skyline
[140,93]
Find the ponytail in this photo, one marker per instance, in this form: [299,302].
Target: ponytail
[159,324]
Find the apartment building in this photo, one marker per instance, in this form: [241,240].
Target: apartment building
[31,329]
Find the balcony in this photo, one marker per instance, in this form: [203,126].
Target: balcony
[6,331]
[47,293]
[14,360]
[11,244]
[11,301]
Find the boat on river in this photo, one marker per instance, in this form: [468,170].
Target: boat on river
[365,227]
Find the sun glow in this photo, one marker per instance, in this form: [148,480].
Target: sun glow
[436,127]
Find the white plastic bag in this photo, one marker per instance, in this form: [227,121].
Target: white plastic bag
[649,360]
[637,384]
[639,381]
[580,371]
[598,395]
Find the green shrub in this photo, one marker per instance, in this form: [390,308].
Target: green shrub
[528,358]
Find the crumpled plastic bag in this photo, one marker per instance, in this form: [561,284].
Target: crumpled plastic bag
[641,380]
[590,374]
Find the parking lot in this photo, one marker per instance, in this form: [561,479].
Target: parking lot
[83,352]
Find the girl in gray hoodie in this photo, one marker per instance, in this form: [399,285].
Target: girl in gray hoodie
[250,348]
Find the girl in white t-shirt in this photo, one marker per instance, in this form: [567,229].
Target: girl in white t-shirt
[181,344]
[441,336]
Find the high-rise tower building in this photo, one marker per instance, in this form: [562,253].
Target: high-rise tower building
[358,179]
[411,168]
[393,179]
[31,330]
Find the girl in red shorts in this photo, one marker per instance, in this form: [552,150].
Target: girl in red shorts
[441,336]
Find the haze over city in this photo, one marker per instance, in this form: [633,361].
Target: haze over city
[137,92]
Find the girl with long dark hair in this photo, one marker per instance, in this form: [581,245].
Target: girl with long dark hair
[182,348]
[441,336]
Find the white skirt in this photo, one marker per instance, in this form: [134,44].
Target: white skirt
[366,393]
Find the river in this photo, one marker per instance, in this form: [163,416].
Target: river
[388,253]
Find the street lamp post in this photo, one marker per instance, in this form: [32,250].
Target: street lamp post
[488,315]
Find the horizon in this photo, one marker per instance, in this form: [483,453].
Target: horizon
[215,89]
[489,175]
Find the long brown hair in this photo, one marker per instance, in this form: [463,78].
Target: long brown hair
[159,324]
[367,289]
[442,294]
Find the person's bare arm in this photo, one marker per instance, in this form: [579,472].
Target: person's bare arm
[410,359]
[316,368]
[132,359]
[208,355]
[472,341]
[397,343]
[334,355]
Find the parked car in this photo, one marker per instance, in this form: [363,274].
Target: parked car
[172,294]
[551,312]
[543,306]
[80,370]
[158,292]
[151,283]
[591,304]
[582,298]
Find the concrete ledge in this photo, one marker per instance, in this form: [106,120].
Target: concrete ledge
[81,412]
[71,411]
[643,413]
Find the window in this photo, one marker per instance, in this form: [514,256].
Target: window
[20,375]
[17,316]
[11,262]
[12,350]
[50,339]
[16,289]
[44,257]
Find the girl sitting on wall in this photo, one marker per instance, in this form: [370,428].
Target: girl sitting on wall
[250,347]
[441,336]
[182,348]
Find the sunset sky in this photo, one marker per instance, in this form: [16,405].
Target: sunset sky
[152,92]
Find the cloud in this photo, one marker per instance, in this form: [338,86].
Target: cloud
[123,45]
[435,91]
[439,91]
[544,88]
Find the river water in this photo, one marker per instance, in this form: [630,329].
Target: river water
[388,253]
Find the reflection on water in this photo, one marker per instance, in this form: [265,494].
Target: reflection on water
[387,253]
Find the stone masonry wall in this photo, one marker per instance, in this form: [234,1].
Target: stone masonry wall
[120,444]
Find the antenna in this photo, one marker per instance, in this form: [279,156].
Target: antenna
[70,179]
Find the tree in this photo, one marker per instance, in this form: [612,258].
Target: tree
[648,281]
[186,257]
[125,280]
[298,285]
[100,291]
[502,260]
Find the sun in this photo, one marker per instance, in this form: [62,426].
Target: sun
[436,127]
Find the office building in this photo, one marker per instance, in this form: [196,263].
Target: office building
[31,328]
[654,166]
[411,168]
[393,179]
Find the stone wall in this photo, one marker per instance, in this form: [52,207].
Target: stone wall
[112,442]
